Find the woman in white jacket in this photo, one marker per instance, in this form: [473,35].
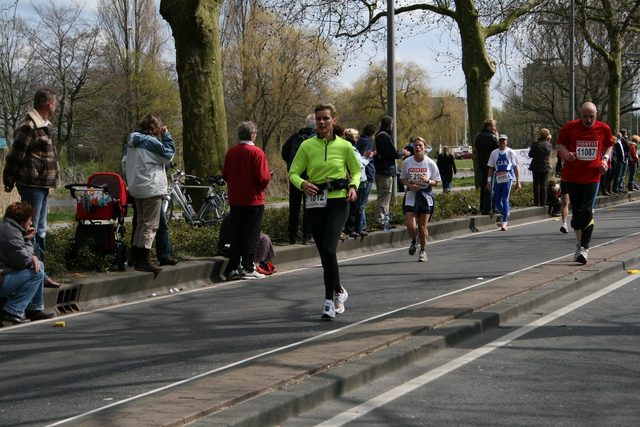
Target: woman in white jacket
[149,149]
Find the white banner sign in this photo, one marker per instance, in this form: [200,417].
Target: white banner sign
[523,167]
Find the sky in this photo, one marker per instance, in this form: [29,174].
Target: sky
[422,49]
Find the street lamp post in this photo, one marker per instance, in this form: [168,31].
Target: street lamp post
[391,80]
[572,70]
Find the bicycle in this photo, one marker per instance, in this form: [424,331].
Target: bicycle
[215,205]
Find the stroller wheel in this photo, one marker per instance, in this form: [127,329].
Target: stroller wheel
[122,256]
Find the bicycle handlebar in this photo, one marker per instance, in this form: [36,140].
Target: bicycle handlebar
[213,179]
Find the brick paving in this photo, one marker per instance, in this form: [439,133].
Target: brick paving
[201,397]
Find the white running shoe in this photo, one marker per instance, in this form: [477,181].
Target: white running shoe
[423,255]
[564,229]
[328,309]
[338,300]
[251,275]
[504,226]
[583,256]
[413,247]
[577,252]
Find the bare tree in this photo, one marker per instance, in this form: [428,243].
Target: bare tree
[133,30]
[476,22]
[66,63]
[17,71]
[537,96]
[439,118]
[618,19]
[274,72]
[135,72]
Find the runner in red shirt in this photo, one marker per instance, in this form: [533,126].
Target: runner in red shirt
[586,146]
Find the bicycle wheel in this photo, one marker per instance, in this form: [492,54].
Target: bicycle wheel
[214,211]
[223,206]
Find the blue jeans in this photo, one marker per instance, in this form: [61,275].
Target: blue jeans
[446,185]
[361,204]
[39,199]
[28,289]
[619,169]
[632,175]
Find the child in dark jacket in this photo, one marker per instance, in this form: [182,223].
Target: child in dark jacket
[553,201]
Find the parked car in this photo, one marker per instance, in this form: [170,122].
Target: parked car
[463,156]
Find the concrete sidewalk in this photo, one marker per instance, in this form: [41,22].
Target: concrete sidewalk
[270,389]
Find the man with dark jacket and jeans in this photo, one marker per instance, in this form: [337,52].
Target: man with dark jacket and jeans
[486,142]
[385,164]
[289,150]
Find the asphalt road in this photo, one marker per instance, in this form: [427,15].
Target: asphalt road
[572,366]
[106,355]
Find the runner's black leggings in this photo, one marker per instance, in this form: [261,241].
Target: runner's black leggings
[582,198]
[326,225]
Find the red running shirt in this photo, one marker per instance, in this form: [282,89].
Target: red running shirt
[587,144]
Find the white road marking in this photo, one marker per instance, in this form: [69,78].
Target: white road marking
[399,391]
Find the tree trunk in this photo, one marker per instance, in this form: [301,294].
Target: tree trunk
[478,69]
[615,82]
[614,65]
[195,27]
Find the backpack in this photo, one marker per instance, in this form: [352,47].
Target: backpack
[290,148]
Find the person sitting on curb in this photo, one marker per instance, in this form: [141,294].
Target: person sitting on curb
[262,255]
[21,273]
[552,200]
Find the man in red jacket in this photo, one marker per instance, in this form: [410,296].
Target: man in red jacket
[247,174]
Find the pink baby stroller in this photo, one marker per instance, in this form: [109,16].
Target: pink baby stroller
[101,205]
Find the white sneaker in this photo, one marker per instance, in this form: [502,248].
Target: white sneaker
[504,226]
[423,255]
[251,275]
[582,257]
[338,300]
[577,252]
[328,309]
[564,228]
[413,247]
